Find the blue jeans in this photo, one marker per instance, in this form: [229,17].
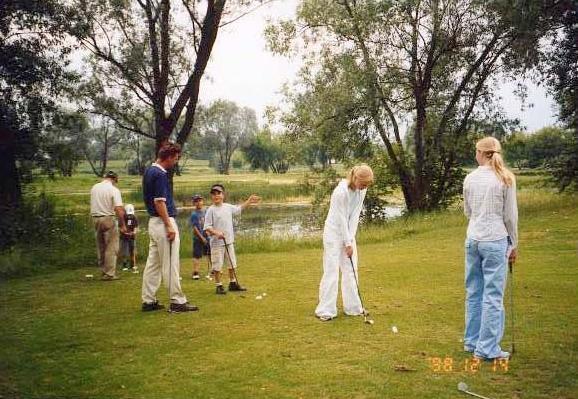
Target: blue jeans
[485,282]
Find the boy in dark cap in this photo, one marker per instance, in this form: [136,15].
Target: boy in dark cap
[200,238]
[219,226]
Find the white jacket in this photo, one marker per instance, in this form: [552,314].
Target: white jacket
[343,217]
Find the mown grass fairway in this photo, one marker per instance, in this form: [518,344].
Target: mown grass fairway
[66,337]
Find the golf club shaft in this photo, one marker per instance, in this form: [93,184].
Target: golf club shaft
[476,395]
[231,261]
[170,267]
[209,261]
[512,323]
[357,285]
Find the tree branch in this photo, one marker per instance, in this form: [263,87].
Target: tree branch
[263,3]
[450,108]
[120,124]
[189,95]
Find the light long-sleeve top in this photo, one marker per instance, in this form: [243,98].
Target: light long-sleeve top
[490,206]
[343,217]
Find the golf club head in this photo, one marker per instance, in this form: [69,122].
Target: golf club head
[366,318]
[462,386]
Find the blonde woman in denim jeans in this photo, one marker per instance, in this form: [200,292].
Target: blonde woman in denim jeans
[492,237]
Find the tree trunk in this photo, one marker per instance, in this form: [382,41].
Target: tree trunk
[10,187]
[104,155]
[139,160]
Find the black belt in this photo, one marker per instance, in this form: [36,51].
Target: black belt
[102,216]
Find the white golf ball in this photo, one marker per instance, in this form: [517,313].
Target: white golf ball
[394,329]
[371,322]
[264,294]
[258,297]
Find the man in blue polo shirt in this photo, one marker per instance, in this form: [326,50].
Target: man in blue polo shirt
[163,260]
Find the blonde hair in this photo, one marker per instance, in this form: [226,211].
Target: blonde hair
[492,150]
[361,172]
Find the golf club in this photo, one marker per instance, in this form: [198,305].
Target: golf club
[511,284]
[170,271]
[231,261]
[366,319]
[209,275]
[463,387]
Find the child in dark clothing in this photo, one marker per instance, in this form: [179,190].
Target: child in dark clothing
[128,239]
[200,238]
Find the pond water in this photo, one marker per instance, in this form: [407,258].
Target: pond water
[279,221]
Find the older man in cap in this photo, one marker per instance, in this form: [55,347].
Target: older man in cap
[105,203]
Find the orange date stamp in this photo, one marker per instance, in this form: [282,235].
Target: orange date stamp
[470,365]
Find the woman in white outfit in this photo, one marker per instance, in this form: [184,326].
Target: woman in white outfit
[339,244]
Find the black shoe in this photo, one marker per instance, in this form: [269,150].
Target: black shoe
[234,286]
[220,290]
[182,307]
[149,307]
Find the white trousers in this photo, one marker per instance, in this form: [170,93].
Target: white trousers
[160,263]
[335,259]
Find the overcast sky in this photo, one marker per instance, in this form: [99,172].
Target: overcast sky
[242,70]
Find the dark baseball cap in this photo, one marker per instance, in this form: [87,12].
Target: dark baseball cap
[218,187]
[111,175]
[197,197]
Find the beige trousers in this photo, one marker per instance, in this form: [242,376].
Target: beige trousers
[106,243]
[163,263]
[219,257]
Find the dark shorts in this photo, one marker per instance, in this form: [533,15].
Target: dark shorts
[126,246]
[200,249]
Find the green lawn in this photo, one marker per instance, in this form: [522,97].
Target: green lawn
[66,337]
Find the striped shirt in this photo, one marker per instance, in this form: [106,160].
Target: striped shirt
[490,206]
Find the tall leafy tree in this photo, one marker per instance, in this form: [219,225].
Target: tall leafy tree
[33,59]
[99,142]
[559,65]
[545,145]
[516,149]
[148,58]
[267,153]
[374,66]
[63,142]
[227,127]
